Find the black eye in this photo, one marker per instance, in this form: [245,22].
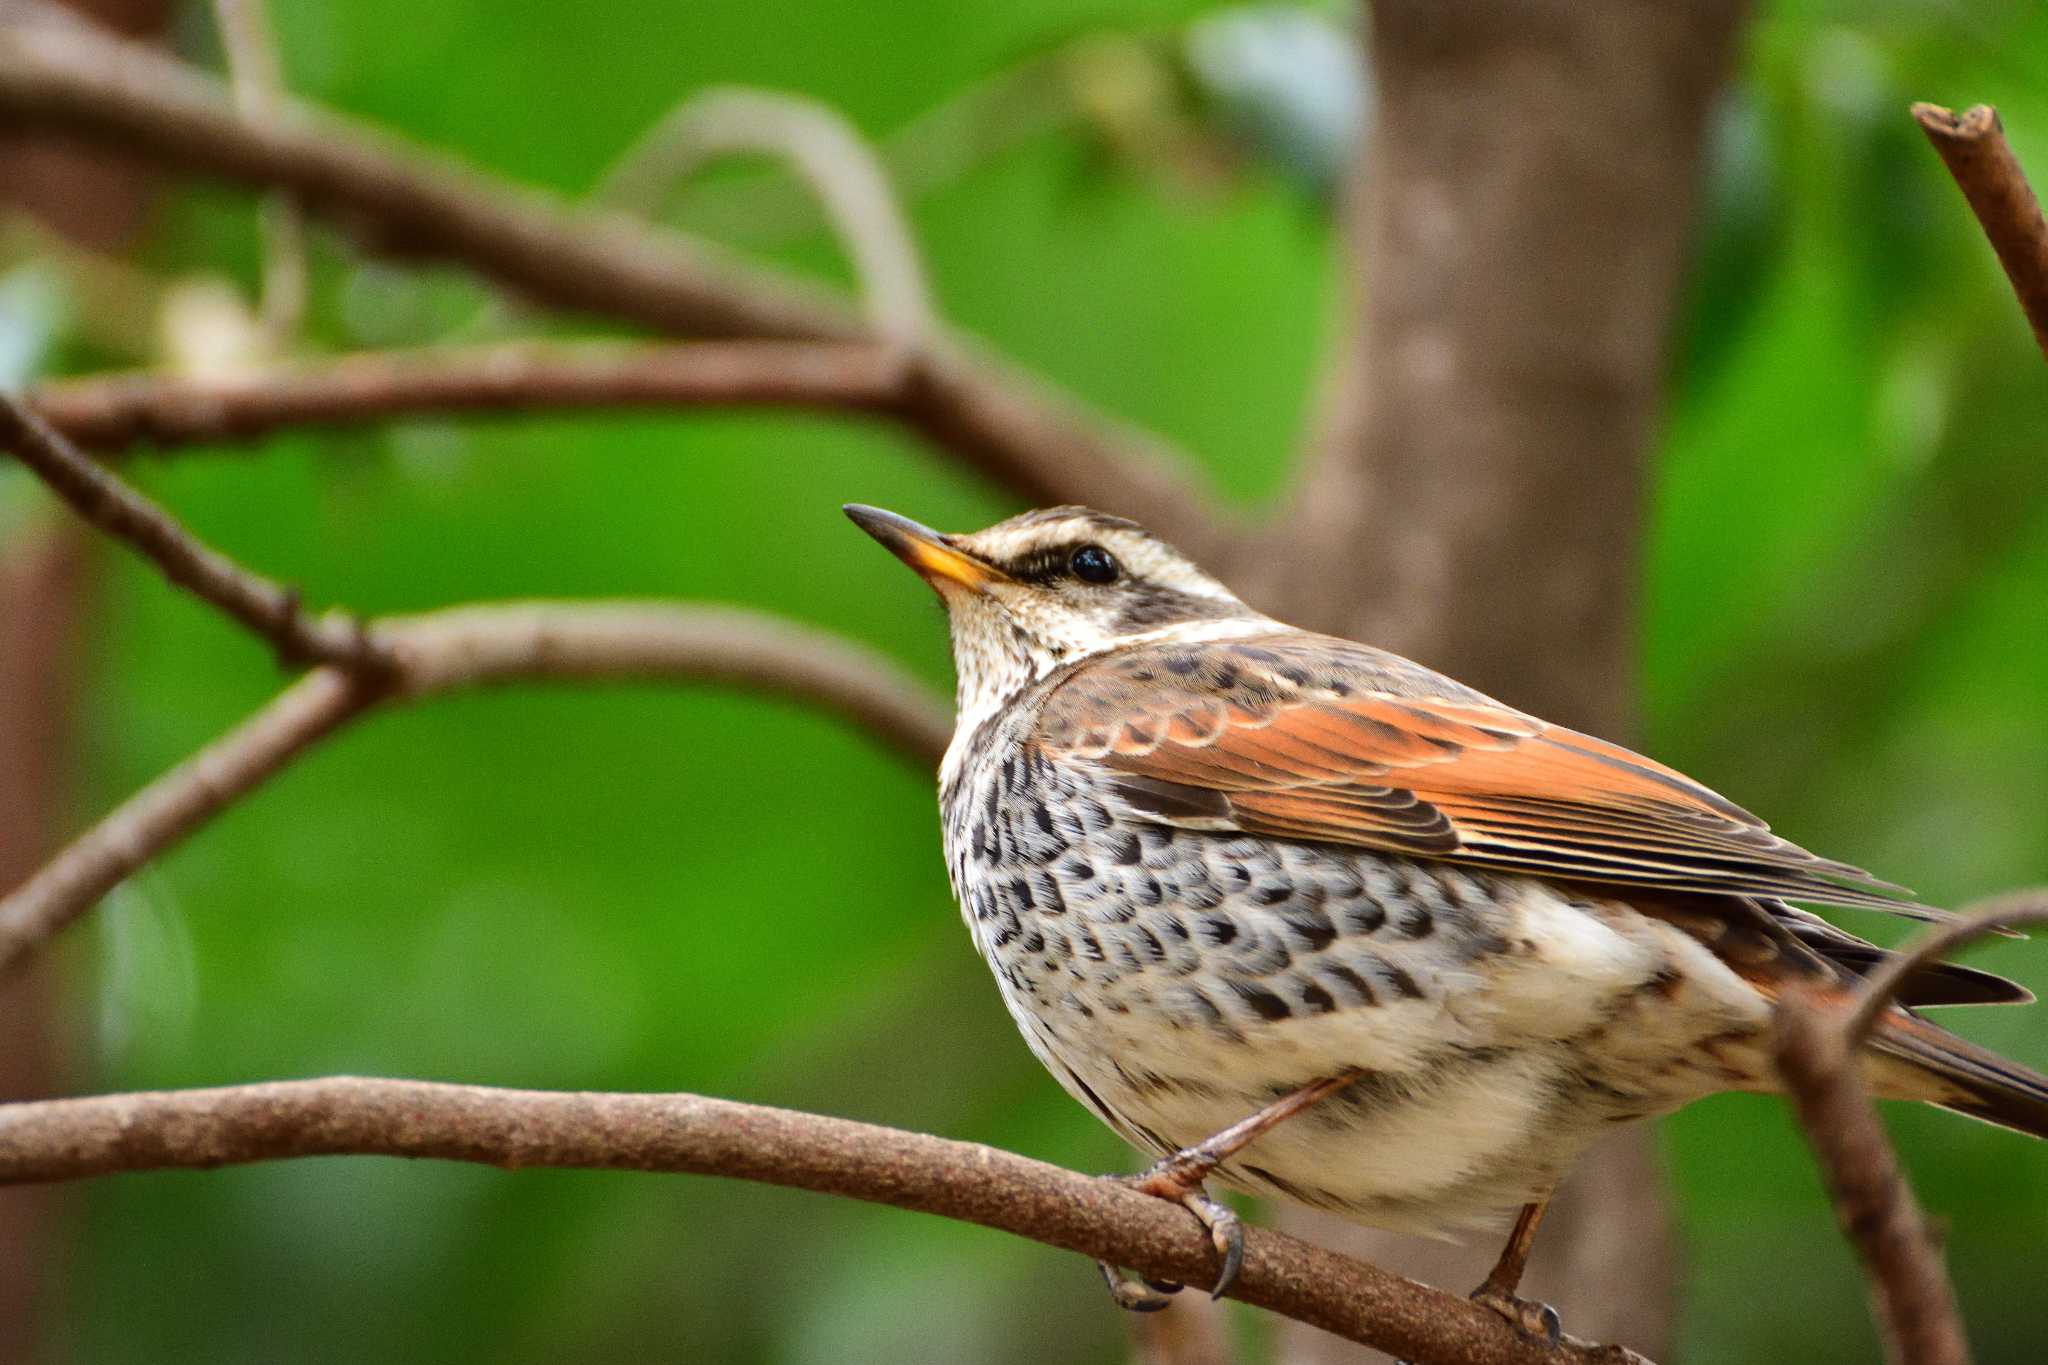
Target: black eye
[1093,564]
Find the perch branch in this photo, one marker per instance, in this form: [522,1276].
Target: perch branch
[1008,426]
[1973,147]
[827,153]
[1816,1050]
[269,609]
[462,648]
[111,411]
[202,1129]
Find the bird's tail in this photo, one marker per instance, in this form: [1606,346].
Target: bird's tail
[1929,1063]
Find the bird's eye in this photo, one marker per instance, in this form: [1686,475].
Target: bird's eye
[1093,564]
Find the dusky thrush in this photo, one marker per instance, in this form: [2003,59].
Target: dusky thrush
[1312,919]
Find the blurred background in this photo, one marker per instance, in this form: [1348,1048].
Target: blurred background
[1843,614]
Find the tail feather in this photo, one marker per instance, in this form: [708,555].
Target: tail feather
[1964,1077]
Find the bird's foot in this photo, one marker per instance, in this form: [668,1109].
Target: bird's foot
[1136,1296]
[1178,1179]
[1537,1321]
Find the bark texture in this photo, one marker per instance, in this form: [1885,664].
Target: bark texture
[1520,226]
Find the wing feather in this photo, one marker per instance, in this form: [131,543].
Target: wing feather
[1309,737]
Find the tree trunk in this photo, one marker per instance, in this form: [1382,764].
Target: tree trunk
[1521,228]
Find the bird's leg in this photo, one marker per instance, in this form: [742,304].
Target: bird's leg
[1179,1178]
[1497,1292]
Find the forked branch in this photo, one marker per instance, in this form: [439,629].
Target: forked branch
[1819,1055]
[1041,445]
[204,1129]
[459,649]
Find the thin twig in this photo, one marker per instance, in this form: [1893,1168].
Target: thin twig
[469,647]
[2012,910]
[827,152]
[1817,1050]
[1040,445]
[1104,1219]
[266,608]
[1974,149]
[110,411]
[257,78]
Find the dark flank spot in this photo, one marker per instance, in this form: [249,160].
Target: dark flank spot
[1263,1002]
[1665,983]
[1020,891]
[1125,850]
[1273,893]
[1416,922]
[1218,930]
[1034,941]
[982,848]
[1202,897]
[1149,944]
[1363,918]
[1236,875]
[990,811]
[1400,980]
[1175,927]
[1041,815]
[1094,815]
[1010,773]
[1297,676]
[1350,981]
[1007,928]
[1340,687]
[1226,676]
[1145,890]
[1317,999]
[1182,664]
[1091,947]
[1313,929]
[1128,954]
[1049,893]
[1077,869]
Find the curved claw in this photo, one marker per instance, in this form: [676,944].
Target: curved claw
[1129,1295]
[1226,1234]
[1538,1321]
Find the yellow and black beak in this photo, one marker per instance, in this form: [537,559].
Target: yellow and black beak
[923,549]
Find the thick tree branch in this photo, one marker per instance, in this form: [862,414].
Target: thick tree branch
[1974,149]
[269,609]
[111,411]
[463,648]
[1005,424]
[204,1129]
[1817,1049]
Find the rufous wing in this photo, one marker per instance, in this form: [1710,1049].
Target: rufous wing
[1311,737]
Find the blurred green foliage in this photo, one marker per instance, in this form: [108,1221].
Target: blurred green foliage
[647,890]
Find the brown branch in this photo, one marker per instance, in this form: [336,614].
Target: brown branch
[1973,147]
[1993,916]
[458,649]
[204,1129]
[111,411]
[1916,1308]
[266,608]
[1817,1049]
[1040,445]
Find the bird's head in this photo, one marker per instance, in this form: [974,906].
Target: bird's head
[1044,589]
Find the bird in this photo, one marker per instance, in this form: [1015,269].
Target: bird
[1316,922]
